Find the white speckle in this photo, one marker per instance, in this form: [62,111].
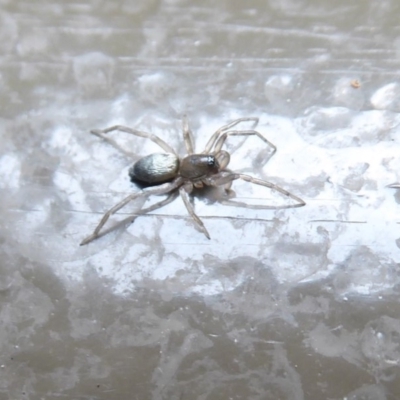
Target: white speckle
[10,171]
[387,97]
[60,137]
[280,81]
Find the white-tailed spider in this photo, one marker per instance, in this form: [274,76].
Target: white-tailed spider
[167,173]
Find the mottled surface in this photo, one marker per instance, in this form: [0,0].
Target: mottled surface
[298,304]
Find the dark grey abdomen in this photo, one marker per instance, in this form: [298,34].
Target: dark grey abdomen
[155,168]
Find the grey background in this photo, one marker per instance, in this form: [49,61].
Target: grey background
[282,304]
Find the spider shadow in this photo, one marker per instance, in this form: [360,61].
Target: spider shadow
[208,194]
[211,194]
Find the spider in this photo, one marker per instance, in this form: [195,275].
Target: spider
[167,173]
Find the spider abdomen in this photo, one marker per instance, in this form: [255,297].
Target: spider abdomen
[155,168]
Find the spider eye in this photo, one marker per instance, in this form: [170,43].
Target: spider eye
[211,161]
[212,164]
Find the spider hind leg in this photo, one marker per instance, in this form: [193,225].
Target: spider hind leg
[226,179]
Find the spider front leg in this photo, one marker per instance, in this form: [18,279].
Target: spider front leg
[221,140]
[226,178]
[155,139]
[217,133]
[157,190]
[184,190]
[187,135]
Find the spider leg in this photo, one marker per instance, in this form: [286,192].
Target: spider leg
[189,207]
[227,178]
[129,220]
[221,140]
[161,189]
[102,134]
[187,135]
[215,135]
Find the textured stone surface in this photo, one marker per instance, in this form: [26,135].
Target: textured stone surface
[280,304]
